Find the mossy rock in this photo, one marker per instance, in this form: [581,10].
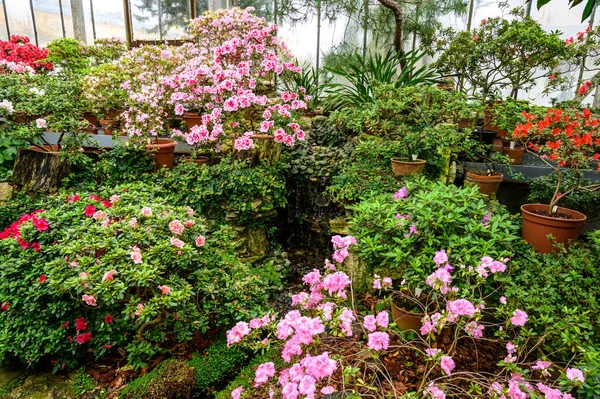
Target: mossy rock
[356,268]
[6,190]
[339,225]
[42,386]
[171,379]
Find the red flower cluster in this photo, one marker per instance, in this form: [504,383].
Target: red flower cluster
[584,88]
[82,337]
[14,230]
[567,138]
[19,50]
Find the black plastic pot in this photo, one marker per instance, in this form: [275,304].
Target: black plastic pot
[484,136]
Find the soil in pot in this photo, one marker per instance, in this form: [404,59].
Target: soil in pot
[406,320]
[487,184]
[564,225]
[164,152]
[515,154]
[404,167]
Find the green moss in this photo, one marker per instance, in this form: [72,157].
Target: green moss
[246,376]
[82,382]
[171,379]
[216,363]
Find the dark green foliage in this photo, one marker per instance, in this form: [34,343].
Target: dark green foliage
[225,187]
[20,204]
[171,379]
[561,294]
[216,364]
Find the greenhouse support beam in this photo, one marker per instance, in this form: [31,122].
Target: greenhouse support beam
[127,15]
[78,20]
[62,19]
[35,33]
[6,19]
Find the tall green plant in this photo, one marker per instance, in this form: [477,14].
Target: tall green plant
[363,73]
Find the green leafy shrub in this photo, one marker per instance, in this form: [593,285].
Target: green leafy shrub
[123,274]
[561,294]
[225,187]
[171,379]
[445,218]
[216,364]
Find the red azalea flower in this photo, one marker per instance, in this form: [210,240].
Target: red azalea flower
[80,324]
[35,246]
[65,324]
[108,318]
[5,306]
[83,338]
[90,210]
[42,278]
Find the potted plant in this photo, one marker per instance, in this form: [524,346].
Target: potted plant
[560,138]
[499,54]
[486,179]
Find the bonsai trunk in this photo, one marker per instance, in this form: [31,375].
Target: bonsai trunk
[396,9]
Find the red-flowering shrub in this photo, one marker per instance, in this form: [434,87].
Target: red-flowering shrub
[562,138]
[14,230]
[20,51]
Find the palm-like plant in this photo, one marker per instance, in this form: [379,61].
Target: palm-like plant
[363,73]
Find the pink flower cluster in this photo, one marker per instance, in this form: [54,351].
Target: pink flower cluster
[340,246]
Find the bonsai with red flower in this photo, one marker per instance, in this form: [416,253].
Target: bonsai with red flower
[561,139]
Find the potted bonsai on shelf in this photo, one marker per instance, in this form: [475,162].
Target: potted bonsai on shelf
[488,178]
[561,139]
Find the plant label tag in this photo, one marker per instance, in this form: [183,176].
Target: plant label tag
[414,157]
[512,145]
[489,172]
[554,208]
[418,292]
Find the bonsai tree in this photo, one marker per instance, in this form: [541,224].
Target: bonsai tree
[563,139]
[500,54]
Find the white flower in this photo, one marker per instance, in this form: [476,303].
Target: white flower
[37,91]
[41,123]
[7,105]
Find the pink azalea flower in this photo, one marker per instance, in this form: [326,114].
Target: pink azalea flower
[461,307]
[165,290]
[176,227]
[264,372]
[41,123]
[370,323]
[519,318]
[431,352]
[383,319]
[386,282]
[435,392]
[146,211]
[136,255]
[89,299]
[378,341]
[440,258]
[114,199]
[503,300]
[447,364]
[108,276]
[574,374]
[238,332]
[412,230]
[176,242]
[133,222]
[237,393]
[200,241]
[402,193]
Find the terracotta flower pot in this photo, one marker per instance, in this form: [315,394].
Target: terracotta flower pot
[109,126]
[92,122]
[199,160]
[51,149]
[515,155]
[536,227]
[404,167]
[487,185]
[406,320]
[191,119]
[164,152]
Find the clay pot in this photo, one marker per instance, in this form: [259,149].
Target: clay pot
[404,167]
[406,320]
[164,152]
[199,160]
[191,119]
[515,155]
[109,126]
[537,227]
[487,185]
[497,145]
[92,122]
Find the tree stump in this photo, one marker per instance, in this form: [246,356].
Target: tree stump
[39,171]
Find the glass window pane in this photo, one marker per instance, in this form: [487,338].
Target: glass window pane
[19,18]
[47,19]
[159,19]
[109,18]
